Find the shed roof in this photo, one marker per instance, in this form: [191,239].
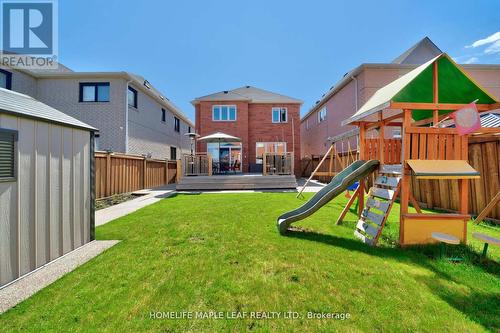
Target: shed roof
[18,104]
[250,94]
[417,87]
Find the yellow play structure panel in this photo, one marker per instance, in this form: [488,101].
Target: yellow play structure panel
[442,169]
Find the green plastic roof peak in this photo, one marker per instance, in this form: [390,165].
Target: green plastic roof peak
[455,87]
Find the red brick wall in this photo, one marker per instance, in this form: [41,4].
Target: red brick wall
[262,129]
[253,124]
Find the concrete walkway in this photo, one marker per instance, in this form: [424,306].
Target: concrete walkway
[150,196]
[26,286]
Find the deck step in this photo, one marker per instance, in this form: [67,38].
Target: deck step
[236,182]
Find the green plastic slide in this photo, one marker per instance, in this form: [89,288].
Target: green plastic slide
[356,171]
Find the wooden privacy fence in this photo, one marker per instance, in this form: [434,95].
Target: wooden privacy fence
[484,156]
[120,173]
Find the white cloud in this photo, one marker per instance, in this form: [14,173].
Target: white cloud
[471,60]
[485,41]
[493,48]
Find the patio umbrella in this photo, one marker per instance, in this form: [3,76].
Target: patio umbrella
[219,137]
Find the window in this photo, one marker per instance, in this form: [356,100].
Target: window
[132,97]
[173,153]
[224,113]
[5,79]
[396,133]
[94,92]
[8,140]
[322,114]
[189,129]
[307,124]
[163,115]
[280,115]
[177,124]
[268,147]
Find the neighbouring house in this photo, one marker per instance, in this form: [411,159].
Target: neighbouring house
[324,119]
[132,116]
[46,184]
[266,122]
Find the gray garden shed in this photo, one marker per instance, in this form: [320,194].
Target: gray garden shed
[46,184]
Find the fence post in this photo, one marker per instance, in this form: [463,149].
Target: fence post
[108,174]
[166,171]
[179,171]
[264,161]
[144,166]
[209,164]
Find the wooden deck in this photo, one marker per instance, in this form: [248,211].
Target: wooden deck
[236,182]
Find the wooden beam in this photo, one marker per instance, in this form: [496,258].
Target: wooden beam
[495,106]
[361,197]
[434,106]
[314,172]
[362,141]
[349,204]
[381,134]
[489,207]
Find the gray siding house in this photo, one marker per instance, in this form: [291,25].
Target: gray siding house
[131,115]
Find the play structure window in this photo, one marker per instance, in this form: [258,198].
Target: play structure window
[268,147]
[322,114]
[280,115]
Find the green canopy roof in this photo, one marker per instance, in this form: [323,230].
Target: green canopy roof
[454,86]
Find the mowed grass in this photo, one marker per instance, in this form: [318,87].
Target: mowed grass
[222,252]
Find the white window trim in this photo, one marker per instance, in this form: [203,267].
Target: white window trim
[220,110]
[279,108]
[319,114]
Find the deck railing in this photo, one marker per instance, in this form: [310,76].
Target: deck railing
[277,164]
[199,164]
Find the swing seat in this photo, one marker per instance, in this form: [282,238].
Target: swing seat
[353,187]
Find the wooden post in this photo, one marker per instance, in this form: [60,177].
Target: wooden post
[315,170]
[108,174]
[178,174]
[349,204]
[362,141]
[405,181]
[209,164]
[381,135]
[166,171]
[330,165]
[361,197]
[144,168]
[264,162]
[435,92]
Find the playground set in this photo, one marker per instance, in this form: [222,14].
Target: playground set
[417,102]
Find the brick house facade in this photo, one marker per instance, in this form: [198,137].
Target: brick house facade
[253,123]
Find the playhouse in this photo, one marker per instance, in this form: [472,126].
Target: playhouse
[418,102]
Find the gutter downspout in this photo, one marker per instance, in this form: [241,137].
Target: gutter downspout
[355,79]
[126,116]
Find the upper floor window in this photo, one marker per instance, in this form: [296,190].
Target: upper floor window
[173,153]
[8,140]
[5,79]
[322,114]
[177,124]
[307,123]
[132,97]
[189,129]
[224,113]
[163,115]
[94,92]
[280,115]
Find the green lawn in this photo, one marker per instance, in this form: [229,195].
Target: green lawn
[222,252]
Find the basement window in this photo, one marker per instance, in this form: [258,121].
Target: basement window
[8,139]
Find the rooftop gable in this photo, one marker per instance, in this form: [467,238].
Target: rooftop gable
[248,93]
[419,53]
[417,87]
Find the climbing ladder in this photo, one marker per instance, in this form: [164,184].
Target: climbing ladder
[378,206]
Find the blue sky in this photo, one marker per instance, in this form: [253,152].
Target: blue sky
[298,48]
